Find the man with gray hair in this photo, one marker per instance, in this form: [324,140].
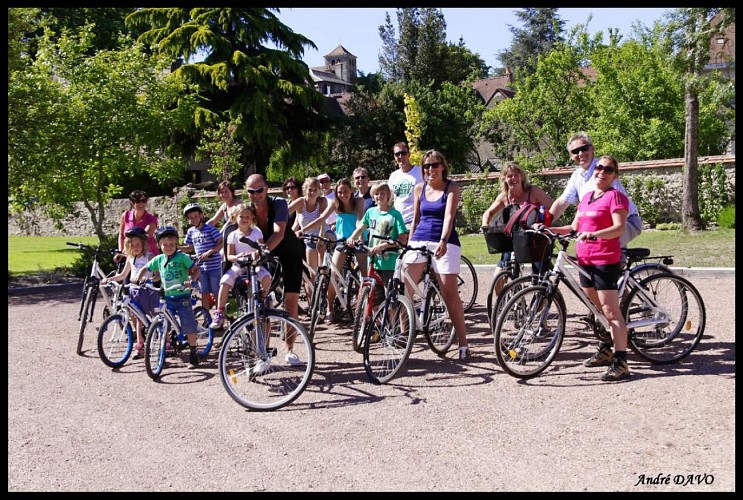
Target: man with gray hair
[580,147]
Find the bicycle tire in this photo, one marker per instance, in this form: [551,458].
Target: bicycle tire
[387,343]
[508,291]
[467,283]
[115,341]
[154,347]
[362,317]
[437,325]
[86,316]
[498,281]
[204,335]
[319,302]
[681,307]
[278,383]
[527,349]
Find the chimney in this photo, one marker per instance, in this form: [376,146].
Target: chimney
[509,75]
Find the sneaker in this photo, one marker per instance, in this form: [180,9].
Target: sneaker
[618,370]
[259,368]
[193,359]
[603,357]
[138,351]
[218,320]
[328,318]
[465,353]
[293,359]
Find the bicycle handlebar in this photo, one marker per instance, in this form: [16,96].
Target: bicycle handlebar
[82,246]
[422,249]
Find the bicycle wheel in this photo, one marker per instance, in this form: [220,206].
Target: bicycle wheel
[509,290]
[87,314]
[665,318]
[389,339]
[115,341]
[319,302]
[527,348]
[467,283]
[204,335]
[363,314]
[253,363]
[154,347]
[437,325]
[497,283]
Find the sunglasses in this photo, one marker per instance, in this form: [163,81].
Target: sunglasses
[581,149]
[358,177]
[141,200]
[325,181]
[401,153]
[604,168]
[435,164]
[289,188]
[256,191]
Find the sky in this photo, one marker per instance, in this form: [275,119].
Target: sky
[485,30]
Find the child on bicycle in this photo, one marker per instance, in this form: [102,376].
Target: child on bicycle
[206,242]
[137,257]
[176,268]
[383,221]
[245,217]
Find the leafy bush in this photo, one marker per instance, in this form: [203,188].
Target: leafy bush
[647,193]
[80,268]
[727,217]
[475,201]
[668,226]
[713,193]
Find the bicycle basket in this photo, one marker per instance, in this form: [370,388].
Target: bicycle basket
[531,247]
[498,242]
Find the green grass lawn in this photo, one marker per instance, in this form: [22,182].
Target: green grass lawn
[35,254]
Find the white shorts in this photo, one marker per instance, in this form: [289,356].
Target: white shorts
[232,273]
[448,264]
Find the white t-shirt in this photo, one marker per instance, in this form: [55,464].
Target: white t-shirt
[234,238]
[402,184]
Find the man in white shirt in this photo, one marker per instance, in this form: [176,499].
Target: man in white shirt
[580,147]
[403,180]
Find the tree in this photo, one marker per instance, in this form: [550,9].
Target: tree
[542,29]
[266,92]
[77,126]
[692,30]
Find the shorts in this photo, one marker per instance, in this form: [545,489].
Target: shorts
[233,272]
[209,281]
[603,277]
[450,263]
[311,244]
[147,300]
[182,309]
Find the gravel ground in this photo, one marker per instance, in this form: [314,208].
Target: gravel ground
[443,425]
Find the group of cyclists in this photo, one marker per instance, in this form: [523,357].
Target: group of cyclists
[417,204]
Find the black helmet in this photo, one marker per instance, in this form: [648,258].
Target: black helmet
[136,232]
[165,231]
[191,207]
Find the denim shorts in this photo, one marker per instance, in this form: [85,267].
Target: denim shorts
[209,281]
[182,309]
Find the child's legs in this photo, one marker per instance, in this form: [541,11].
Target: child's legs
[338,259]
[225,286]
[209,281]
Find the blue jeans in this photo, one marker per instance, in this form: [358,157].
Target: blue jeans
[180,306]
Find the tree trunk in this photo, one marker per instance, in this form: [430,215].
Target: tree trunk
[690,217]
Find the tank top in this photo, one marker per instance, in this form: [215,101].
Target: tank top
[431,223]
[139,262]
[306,217]
[345,224]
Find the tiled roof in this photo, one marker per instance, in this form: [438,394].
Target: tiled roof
[340,50]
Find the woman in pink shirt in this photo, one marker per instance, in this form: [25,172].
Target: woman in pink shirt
[138,216]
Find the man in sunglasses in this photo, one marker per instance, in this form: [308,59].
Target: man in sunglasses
[272,215]
[403,180]
[580,147]
[363,190]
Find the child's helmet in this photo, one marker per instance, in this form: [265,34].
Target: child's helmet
[165,231]
[136,232]
[191,207]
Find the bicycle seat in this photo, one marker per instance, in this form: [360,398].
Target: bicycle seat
[636,253]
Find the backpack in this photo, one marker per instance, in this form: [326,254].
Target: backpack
[527,247]
[496,237]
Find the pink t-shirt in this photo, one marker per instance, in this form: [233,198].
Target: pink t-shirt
[594,215]
[146,220]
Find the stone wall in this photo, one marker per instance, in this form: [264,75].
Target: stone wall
[166,208]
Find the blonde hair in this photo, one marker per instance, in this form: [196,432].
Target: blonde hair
[438,156]
[382,186]
[512,165]
[128,245]
[235,211]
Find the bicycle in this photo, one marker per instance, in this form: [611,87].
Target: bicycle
[432,315]
[164,337]
[664,312]
[91,287]
[116,336]
[345,281]
[637,264]
[467,283]
[385,334]
[248,359]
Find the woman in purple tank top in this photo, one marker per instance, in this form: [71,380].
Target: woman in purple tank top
[434,212]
